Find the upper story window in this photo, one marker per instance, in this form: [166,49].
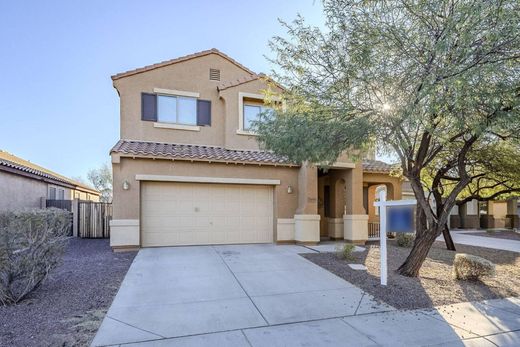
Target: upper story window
[252,113]
[183,110]
[177,109]
[61,194]
[250,107]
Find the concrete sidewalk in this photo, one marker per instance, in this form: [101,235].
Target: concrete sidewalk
[267,295]
[461,237]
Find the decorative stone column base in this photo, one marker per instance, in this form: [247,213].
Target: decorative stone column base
[454,221]
[285,230]
[335,228]
[124,234]
[487,222]
[470,222]
[307,228]
[356,228]
[514,221]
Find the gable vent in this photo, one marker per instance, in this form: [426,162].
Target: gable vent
[214,74]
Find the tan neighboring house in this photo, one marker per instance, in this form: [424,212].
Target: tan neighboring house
[188,171]
[478,214]
[486,215]
[24,184]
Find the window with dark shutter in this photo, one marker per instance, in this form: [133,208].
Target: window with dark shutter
[204,112]
[149,107]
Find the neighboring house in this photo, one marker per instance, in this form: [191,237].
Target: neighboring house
[27,185]
[486,215]
[478,214]
[188,171]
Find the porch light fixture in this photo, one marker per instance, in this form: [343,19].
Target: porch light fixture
[289,189]
[126,185]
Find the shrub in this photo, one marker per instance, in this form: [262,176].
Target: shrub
[471,267]
[345,250]
[32,243]
[405,239]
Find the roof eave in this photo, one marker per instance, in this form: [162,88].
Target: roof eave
[201,160]
[179,60]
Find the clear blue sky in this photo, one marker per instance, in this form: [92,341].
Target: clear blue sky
[57,104]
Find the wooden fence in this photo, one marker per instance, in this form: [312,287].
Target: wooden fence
[63,204]
[93,219]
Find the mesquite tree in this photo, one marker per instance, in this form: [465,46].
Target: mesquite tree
[437,82]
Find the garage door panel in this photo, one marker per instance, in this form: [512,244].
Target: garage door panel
[194,213]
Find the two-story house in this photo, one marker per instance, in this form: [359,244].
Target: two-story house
[188,170]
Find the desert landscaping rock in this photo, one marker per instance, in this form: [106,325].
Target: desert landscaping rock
[435,285]
[68,308]
[357,267]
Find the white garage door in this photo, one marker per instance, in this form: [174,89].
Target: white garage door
[200,214]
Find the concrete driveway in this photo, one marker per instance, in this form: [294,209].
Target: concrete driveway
[462,237]
[188,291]
[267,295]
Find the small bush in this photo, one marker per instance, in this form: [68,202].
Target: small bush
[32,243]
[345,250]
[405,239]
[471,267]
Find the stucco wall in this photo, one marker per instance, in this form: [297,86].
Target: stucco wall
[192,76]
[20,192]
[231,98]
[126,202]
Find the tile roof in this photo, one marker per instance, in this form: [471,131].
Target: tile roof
[11,161]
[241,80]
[178,60]
[213,153]
[245,79]
[198,152]
[377,166]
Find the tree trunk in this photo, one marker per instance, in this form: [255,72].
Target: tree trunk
[447,238]
[424,239]
[420,249]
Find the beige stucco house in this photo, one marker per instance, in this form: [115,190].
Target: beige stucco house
[187,170]
[486,215]
[24,184]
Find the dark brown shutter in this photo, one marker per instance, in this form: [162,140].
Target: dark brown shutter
[149,107]
[204,112]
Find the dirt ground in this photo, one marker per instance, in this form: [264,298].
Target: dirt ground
[69,307]
[435,285]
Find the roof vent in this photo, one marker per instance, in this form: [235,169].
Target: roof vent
[214,74]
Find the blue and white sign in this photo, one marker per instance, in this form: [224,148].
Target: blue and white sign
[400,219]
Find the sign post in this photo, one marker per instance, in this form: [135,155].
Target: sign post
[382,238]
[383,204]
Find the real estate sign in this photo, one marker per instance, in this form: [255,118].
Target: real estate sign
[400,219]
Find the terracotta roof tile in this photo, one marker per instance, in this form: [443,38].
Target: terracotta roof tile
[178,60]
[11,161]
[377,166]
[241,80]
[213,153]
[197,152]
[245,79]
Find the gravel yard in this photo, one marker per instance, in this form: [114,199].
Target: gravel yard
[498,234]
[435,286]
[68,308]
